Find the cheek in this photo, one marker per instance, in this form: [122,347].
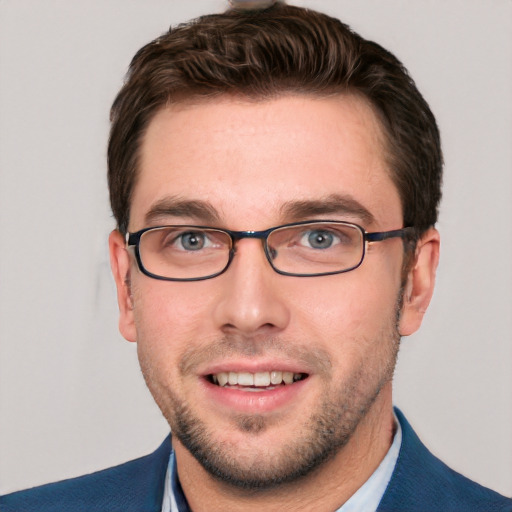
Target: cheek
[169,315]
[348,303]
[354,317]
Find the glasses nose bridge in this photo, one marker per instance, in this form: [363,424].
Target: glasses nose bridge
[236,236]
[260,235]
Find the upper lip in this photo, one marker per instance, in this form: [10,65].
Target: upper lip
[249,366]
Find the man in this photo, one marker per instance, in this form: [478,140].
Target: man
[275,180]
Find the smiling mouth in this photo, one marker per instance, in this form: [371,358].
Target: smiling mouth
[260,381]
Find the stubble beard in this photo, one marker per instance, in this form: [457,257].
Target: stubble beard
[323,434]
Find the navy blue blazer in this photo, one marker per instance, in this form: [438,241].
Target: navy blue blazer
[420,483]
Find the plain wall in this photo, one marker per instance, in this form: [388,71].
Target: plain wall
[72,399]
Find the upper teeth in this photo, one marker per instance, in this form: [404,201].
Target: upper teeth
[255,379]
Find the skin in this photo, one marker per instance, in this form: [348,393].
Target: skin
[246,162]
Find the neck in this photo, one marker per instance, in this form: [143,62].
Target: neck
[327,488]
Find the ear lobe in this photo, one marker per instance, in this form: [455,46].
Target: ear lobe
[120,265]
[419,286]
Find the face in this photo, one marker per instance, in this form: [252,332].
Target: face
[327,344]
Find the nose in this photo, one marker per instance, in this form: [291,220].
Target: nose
[252,299]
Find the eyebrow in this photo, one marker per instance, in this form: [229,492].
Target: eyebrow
[339,204]
[291,211]
[176,207]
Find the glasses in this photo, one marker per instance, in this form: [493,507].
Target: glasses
[301,249]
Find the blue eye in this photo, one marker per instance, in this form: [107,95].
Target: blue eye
[320,239]
[192,240]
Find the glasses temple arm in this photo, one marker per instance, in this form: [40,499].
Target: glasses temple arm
[385,235]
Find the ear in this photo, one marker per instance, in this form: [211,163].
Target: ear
[120,264]
[419,285]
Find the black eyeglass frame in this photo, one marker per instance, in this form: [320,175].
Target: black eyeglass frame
[133,239]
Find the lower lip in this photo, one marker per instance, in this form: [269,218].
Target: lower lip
[253,402]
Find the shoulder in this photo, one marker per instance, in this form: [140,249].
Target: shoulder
[422,482]
[133,486]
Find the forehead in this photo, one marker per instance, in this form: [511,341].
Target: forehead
[246,159]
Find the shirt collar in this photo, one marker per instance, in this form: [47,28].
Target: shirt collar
[369,495]
[174,499]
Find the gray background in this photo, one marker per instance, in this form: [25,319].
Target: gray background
[71,396]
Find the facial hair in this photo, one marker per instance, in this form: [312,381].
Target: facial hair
[324,432]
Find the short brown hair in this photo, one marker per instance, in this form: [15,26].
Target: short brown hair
[259,55]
